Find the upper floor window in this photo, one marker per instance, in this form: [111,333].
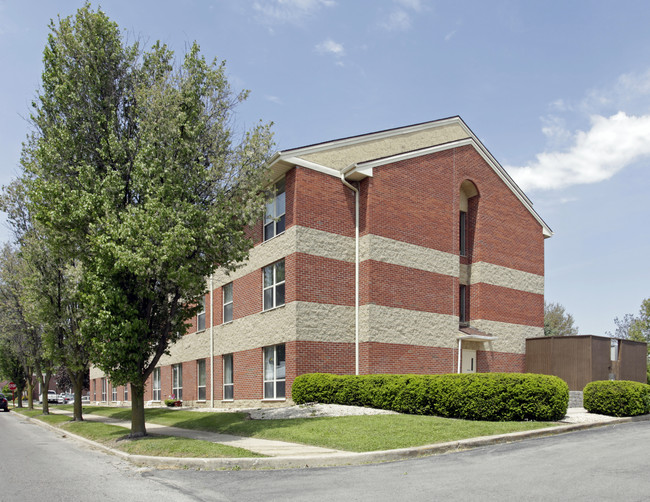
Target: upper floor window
[227,303]
[462,306]
[274,285]
[462,228]
[200,317]
[274,221]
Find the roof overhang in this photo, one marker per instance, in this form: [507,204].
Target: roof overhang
[475,338]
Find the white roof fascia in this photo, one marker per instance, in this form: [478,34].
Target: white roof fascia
[546,231]
[476,338]
[313,165]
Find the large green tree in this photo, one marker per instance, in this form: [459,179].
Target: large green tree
[25,338]
[557,321]
[134,168]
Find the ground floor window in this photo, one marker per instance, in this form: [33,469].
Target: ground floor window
[126,392]
[200,370]
[156,384]
[94,390]
[104,390]
[177,381]
[114,392]
[274,372]
[228,382]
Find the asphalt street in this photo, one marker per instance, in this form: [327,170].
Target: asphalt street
[606,463]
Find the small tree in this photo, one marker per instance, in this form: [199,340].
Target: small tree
[557,322]
[135,169]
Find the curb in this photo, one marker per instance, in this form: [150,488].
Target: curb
[337,459]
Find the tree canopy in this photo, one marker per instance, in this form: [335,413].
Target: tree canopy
[558,322]
[136,173]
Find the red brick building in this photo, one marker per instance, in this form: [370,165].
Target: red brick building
[402,251]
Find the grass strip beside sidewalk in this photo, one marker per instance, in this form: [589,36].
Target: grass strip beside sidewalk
[153,444]
[351,433]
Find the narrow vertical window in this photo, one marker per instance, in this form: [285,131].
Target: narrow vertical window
[275,208]
[104,390]
[126,392]
[200,317]
[462,304]
[156,384]
[200,378]
[228,381]
[274,372]
[462,230]
[113,392]
[177,381]
[94,390]
[274,285]
[227,303]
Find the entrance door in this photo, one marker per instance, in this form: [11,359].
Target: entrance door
[468,362]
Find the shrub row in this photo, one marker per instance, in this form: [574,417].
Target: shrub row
[478,396]
[617,398]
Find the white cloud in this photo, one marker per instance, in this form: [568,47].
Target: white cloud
[289,11]
[329,46]
[449,35]
[611,144]
[398,20]
[274,99]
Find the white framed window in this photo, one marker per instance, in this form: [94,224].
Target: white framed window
[275,208]
[274,372]
[200,317]
[227,302]
[228,381]
[177,381]
[273,289]
[104,390]
[156,384]
[200,379]
[113,392]
[126,391]
[94,390]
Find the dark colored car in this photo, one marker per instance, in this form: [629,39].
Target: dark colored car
[4,404]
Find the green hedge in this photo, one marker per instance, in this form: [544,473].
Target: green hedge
[617,398]
[478,396]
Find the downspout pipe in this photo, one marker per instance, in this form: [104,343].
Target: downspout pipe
[356,264]
[211,342]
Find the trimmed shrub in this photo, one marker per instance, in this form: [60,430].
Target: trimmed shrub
[617,398]
[477,396]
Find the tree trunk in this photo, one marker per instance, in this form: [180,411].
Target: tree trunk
[30,393]
[77,386]
[45,385]
[137,410]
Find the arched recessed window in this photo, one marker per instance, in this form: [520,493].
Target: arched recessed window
[466,219]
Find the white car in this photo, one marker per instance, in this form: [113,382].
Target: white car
[51,397]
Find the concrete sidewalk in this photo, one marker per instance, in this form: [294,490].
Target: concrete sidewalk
[283,455]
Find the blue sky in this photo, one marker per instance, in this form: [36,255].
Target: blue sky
[558,91]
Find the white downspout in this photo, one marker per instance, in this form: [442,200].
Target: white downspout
[460,343]
[356,265]
[211,343]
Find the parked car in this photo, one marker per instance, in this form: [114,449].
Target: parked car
[4,404]
[65,398]
[84,400]
[51,397]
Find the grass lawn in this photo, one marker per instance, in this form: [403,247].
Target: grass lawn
[352,433]
[154,445]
